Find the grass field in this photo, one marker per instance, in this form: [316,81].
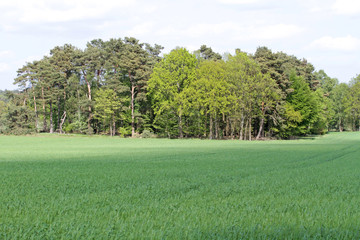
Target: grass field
[111,188]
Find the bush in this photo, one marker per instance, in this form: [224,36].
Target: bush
[147,134]
[124,131]
[77,127]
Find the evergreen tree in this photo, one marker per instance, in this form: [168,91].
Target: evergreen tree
[107,106]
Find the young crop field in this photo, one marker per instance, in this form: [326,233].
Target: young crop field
[61,187]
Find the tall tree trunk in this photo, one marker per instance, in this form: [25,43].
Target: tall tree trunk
[89,97]
[58,113]
[44,110]
[245,129]
[132,111]
[110,126]
[232,130]
[227,128]
[340,127]
[216,127]
[241,137]
[51,118]
[211,128]
[62,122]
[260,128]
[64,114]
[114,126]
[36,114]
[205,126]
[249,128]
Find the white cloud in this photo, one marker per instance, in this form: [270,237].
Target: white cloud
[240,31]
[347,43]
[347,7]
[4,67]
[6,53]
[317,6]
[277,31]
[166,31]
[141,29]
[40,11]
[199,30]
[238,1]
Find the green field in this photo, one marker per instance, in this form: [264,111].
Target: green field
[56,187]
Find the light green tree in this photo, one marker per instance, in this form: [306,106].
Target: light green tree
[352,105]
[247,85]
[339,99]
[167,83]
[210,94]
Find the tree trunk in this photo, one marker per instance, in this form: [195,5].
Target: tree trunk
[58,113]
[51,119]
[340,127]
[64,114]
[110,126]
[132,111]
[232,125]
[245,129]
[36,114]
[62,122]
[211,128]
[114,126]
[260,128]
[216,127]
[241,127]
[89,97]
[44,110]
[205,126]
[227,128]
[249,128]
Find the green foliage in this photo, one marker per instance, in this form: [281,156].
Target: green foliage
[76,127]
[352,105]
[15,116]
[107,105]
[147,134]
[303,101]
[102,188]
[170,78]
[326,83]
[281,65]
[179,95]
[338,98]
[209,94]
[323,113]
[124,131]
[206,53]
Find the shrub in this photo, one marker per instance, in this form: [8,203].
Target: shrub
[147,134]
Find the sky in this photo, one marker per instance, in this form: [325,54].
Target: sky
[325,32]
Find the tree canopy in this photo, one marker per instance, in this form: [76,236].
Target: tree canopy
[125,87]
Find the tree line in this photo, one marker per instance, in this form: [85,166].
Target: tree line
[126,87]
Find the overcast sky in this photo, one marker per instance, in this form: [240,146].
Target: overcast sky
[325,32]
